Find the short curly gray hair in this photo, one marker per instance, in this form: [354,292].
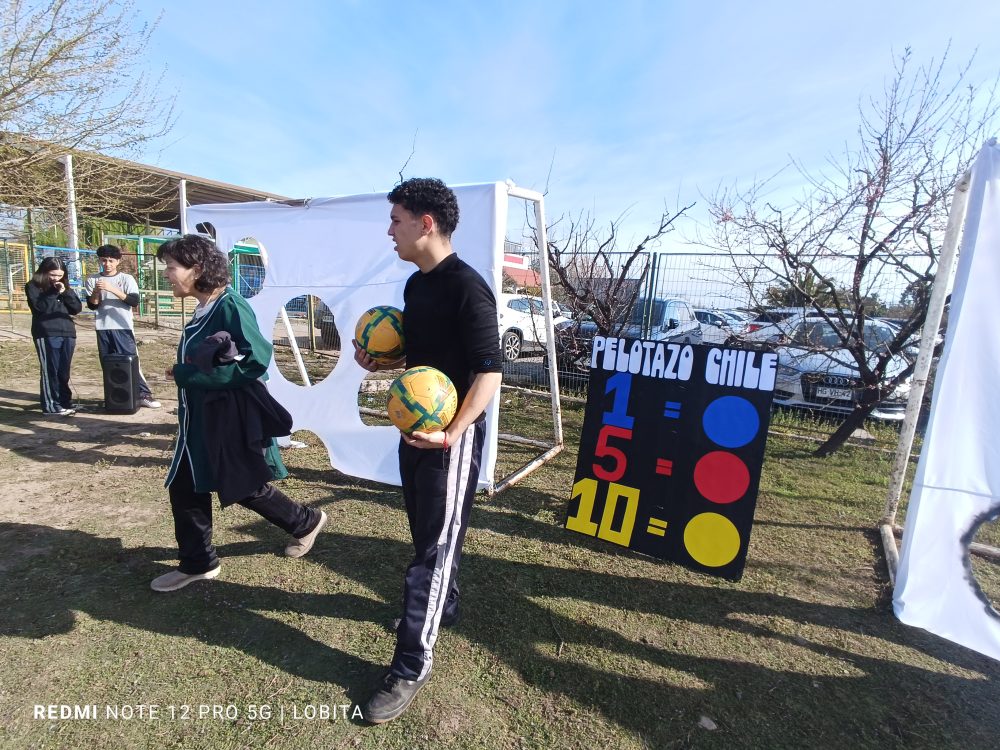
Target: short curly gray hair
[194,250]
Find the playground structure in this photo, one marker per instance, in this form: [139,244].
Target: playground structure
[157,304]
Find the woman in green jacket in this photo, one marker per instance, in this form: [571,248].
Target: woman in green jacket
[227,421]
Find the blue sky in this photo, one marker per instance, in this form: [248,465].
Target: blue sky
[630,105]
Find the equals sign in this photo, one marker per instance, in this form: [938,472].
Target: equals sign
[665,467]
[657,527]
[672,409]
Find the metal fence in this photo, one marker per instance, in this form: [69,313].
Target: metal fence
[704,280]
[710,282]
[310,322]
[16,269]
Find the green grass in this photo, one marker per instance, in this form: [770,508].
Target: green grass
[565,641]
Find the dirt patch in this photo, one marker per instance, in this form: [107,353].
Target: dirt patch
[61,471]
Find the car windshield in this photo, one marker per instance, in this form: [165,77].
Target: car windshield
[536,308]
[819,333]
[773,316]
[639,312]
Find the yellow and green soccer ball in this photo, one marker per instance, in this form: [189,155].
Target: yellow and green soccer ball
[423,399]
[380,333]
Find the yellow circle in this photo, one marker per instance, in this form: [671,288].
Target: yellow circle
[711,539]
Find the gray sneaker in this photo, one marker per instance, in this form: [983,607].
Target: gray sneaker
[176,580]
[303,544]
[392,698]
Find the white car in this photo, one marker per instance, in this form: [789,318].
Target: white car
[522,324]
[740,320]
[815,373]
[716,326]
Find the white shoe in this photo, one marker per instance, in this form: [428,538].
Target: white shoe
[65,412]
[149,403]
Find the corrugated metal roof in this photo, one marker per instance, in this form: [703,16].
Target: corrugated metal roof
[161,203]
[152,195]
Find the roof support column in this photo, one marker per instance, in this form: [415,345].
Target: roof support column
[71,232]
[182,193]
[74,271]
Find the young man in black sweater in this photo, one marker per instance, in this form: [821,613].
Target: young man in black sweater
[450,323]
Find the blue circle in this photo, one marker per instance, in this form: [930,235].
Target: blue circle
[731,421]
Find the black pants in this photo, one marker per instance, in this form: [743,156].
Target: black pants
[55,356]
[193,518]
[121,341]
[438,489]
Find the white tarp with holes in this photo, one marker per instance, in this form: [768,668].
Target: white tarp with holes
[337,249]
[957,487]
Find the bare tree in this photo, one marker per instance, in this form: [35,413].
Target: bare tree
[71,83]
[879,212]
[598,278]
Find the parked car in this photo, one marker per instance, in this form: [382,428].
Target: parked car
[912,348]
[717,327]
[816,372]
[323,320]
[565,310]
[522,324]
[772,325]
[659,319]
[738,317]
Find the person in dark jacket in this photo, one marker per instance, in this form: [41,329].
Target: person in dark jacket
[227,420]
[52,304]
[449,323]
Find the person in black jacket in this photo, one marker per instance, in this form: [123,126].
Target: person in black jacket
[52,303]
[450,323]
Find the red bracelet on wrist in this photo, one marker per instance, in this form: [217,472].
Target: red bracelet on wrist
[446,441]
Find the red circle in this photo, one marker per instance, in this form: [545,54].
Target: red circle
[721,477]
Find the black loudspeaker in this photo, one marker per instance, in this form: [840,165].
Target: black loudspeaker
[121,383]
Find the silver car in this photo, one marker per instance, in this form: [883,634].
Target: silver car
[815,373]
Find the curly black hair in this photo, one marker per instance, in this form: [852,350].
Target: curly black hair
[109,251]
[193,250]
[428,195]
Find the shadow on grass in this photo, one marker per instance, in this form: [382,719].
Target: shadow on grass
[771,670]
[32,398]
[110,583]
[43,437]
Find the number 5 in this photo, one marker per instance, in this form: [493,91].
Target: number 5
[618,456]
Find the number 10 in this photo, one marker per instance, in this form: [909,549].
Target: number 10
[586,490]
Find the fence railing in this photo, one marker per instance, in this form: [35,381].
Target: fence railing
[703,280]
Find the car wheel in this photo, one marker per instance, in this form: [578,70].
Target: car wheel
[329,336]
[511,345]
